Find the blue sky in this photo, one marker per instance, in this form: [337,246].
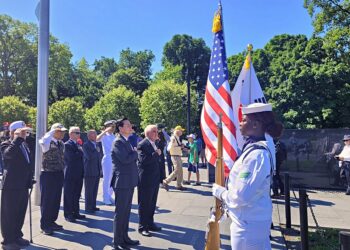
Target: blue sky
[95,28]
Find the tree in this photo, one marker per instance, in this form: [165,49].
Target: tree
[118,103]
[169,73]
[163,103]
[13,109]
[141,60]
[17,57]
[89,84]
[105,67]
[130,78]
[190,53]
[67,112]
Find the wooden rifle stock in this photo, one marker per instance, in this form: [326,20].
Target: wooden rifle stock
[213,236]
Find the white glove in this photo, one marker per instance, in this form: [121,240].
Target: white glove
[218,191]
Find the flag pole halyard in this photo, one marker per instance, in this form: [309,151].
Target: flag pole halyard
[213,236]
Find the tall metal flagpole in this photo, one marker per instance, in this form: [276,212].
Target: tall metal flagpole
[43,12]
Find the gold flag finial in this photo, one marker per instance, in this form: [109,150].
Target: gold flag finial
[248,57]
[217,22]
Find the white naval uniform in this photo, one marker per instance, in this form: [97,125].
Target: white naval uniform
[107,141]
[248,199]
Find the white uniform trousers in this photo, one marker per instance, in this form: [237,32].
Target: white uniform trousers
[251,235]
[107,177]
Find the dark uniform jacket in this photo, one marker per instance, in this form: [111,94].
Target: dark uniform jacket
[73,159]
[92,160]
[148,164]
[18,173]
[125,173]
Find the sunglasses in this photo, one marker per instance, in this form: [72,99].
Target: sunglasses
[78,133]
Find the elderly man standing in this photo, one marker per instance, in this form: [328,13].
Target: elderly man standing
[92,171]
[175,148]
[18,174]
[148,186]
[51,177]
[73,178]
[106,138]
[124,180]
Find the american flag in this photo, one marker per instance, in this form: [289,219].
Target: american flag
[218,101]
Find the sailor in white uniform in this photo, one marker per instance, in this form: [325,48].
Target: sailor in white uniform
[247,196]
[106,138]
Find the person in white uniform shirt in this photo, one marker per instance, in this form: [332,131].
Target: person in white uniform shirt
[106,138]
[247,196]
[344,161]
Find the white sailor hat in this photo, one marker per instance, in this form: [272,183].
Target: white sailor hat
[18,124]
[256,108]
[110,123]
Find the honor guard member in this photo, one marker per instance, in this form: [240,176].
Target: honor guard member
[247,196]
[51,177]
[17,179]
[106,138]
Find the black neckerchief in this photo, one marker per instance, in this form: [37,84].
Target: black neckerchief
[252,139]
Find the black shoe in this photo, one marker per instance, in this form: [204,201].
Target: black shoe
[11,246]
[89,211]
[70,218]
[181,188]
[154,228]
[96,209]
[165,186]
[79,216]
[131,242]
[47,231]
[22,242]
[145,233]
[121,246]
[56,227]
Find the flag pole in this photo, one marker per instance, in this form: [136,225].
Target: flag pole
[250,49]
[43,11]
[213,235]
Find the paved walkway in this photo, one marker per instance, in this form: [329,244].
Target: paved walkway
[182,215]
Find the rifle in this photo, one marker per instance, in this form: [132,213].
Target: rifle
[213,233]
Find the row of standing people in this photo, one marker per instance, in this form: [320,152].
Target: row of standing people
[68,165]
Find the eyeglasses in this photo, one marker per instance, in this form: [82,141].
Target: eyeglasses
[77,132]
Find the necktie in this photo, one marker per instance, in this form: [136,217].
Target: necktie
[24,151]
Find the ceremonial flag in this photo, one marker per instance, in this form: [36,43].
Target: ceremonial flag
[247,90]
[218,101]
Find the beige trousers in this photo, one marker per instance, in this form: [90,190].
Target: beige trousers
[177,173]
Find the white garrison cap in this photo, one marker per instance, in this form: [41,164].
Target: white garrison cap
[18,124]
[256,108]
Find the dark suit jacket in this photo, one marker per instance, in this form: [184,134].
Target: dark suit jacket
[125,174]
[92,160]
[148,164]
[18,173]
[73,160]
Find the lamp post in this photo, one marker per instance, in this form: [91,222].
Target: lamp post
[188,102]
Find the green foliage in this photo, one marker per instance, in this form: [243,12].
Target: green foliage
[68,112]
[141,60]
[32,117]
[89,84]
[163,103]
[105,67]
[170,73]
[190,53]
[130,78]
[13,109]
[118,103]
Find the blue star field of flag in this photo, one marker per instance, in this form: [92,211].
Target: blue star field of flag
[218,72]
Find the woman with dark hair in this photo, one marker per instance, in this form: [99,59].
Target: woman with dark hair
[247,196]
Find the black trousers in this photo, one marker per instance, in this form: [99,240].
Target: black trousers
[347,175]
[13,211]
[51,184]
[91,188]
[147,199]
[71,196]
[123,200]
[169,163]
